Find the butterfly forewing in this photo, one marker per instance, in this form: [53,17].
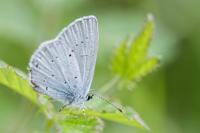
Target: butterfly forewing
[82,37]
[63,67]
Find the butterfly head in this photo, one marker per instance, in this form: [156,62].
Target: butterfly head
[89,97]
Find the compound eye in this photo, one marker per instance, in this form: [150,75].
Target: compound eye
[90,96]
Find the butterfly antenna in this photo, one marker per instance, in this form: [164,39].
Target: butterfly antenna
[102,98]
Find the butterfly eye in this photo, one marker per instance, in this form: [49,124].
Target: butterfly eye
[89,97]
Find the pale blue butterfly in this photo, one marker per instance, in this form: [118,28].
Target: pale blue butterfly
[63,68]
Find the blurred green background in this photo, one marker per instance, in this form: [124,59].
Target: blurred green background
[168,99]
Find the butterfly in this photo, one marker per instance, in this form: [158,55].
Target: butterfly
[63,68]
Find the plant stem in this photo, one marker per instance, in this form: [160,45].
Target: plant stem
[105,88]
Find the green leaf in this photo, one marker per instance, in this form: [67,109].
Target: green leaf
[119,60]
[139,46]
[17,81]
[106,111]
[81,124]
[131,61]
[144,68]
[70,119]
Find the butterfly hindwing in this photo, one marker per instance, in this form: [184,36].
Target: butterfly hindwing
[53,71]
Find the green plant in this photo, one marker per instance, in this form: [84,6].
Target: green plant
[130,63]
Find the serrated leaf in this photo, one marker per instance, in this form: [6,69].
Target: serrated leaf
[17,81]
[131,61]
[70,120]
[106,111]
[143,69]
[139,46]
[118,61]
